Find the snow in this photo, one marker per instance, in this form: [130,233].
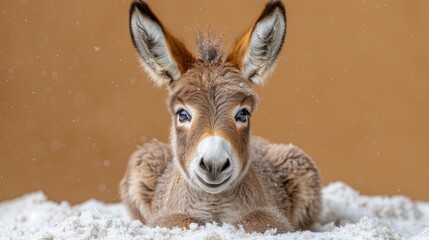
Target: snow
[346,215]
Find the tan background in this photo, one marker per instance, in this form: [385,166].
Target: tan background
[351,88]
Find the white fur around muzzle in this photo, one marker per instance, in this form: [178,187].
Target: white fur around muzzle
[214,150]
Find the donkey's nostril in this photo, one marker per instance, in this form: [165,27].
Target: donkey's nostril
[205,165]
[226,165]
[212,170]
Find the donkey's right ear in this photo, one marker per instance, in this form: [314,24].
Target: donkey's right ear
[163,57]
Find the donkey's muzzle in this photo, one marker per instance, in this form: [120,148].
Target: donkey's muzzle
[214,164]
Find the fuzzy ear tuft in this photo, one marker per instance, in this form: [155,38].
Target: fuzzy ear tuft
[163,57]
[256,52]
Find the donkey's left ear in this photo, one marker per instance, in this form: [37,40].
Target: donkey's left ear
[256,52]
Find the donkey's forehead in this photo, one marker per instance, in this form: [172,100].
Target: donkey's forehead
[212,82]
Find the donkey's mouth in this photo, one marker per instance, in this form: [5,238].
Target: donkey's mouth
[212,185]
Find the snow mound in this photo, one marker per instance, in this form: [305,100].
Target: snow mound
[346,215]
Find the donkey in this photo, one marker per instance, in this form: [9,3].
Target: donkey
[213,170]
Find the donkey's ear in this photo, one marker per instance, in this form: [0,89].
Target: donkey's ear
[162,56]
[256,52]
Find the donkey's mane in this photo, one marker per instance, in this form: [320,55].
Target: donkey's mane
[209,46]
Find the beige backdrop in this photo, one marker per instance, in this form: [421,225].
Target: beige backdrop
[351,88]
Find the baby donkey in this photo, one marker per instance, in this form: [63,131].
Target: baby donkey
[213,170]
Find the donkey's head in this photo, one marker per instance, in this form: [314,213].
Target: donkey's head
[211,98]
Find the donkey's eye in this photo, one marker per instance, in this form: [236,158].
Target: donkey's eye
[183,116]
[242,116]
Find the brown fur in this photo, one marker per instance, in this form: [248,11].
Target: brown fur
[265,218]
[276,186]
[179,52]
[237,55]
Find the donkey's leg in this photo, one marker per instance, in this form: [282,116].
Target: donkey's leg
[137,187]
[295,172]
[179,220]
[262,219]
